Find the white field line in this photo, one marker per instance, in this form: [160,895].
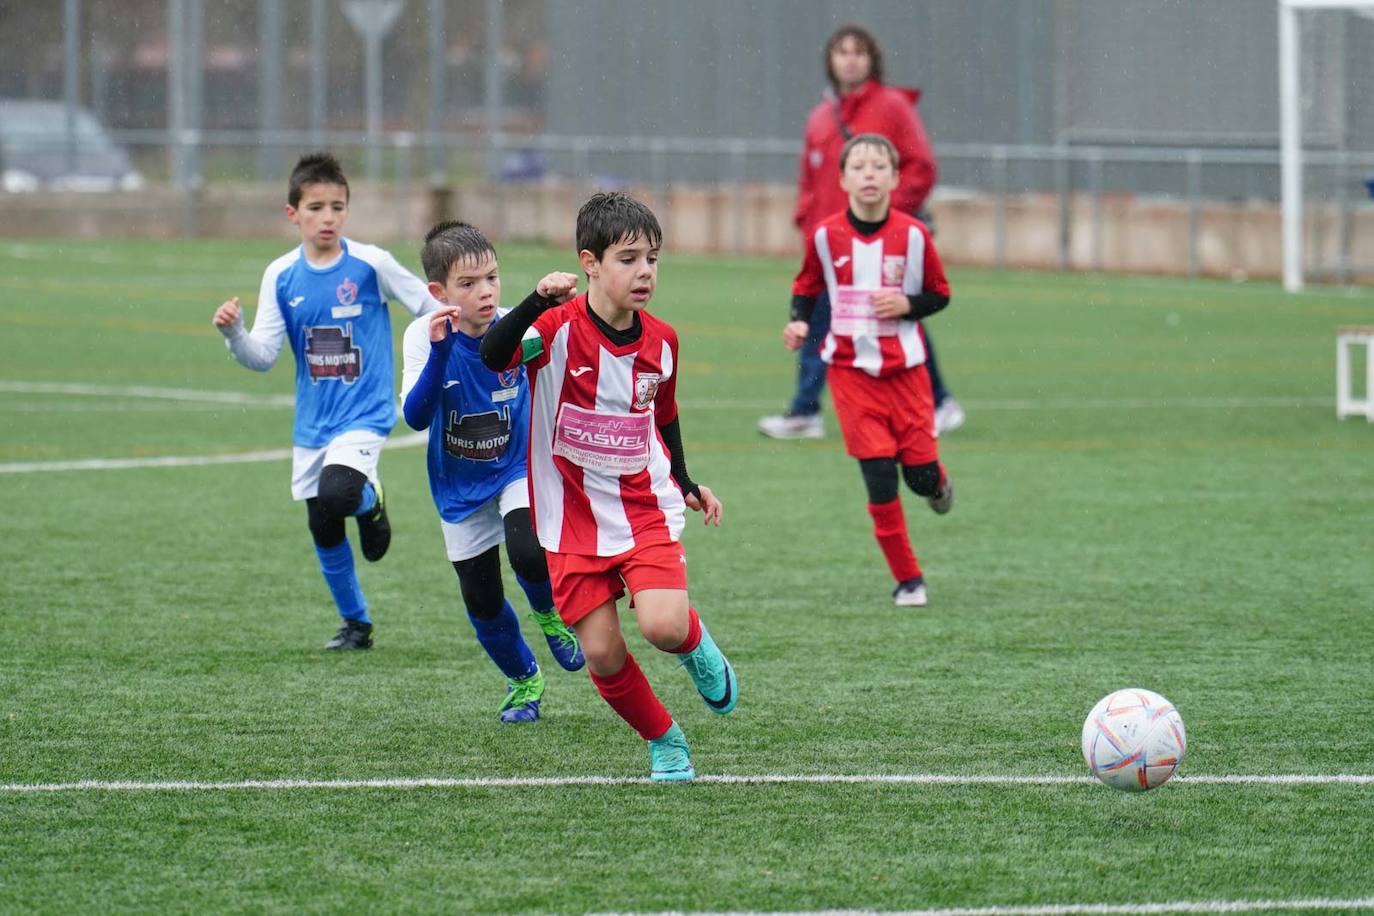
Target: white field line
[1085,909]
[128,407]
[1015,404]
[442,782]
[179,461]
[145,391]
[26,252]
[200,398]
[1021,404]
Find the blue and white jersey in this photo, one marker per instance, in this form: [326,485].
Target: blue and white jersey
[337,322]
[481,424]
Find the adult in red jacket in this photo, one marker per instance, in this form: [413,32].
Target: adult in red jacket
[857,102]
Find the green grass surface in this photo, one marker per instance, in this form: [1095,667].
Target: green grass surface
[1152,491]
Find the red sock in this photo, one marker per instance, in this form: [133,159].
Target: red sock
[632,698]
[693,633]
[889,528]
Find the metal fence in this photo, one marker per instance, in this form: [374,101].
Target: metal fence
[1072,98]
[998,173]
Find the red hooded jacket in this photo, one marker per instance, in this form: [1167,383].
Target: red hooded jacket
[873,108]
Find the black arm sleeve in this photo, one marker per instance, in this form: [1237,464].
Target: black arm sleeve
[500,343]
[925,304]
[802,308]
[672,437]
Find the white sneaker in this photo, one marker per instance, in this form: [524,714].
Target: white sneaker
[949,416]
[791,426]
[910,594]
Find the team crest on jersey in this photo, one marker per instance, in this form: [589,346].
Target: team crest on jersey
[894,269]
[330,354]
[646,386]
[347,292]
[478,436]
[509,378]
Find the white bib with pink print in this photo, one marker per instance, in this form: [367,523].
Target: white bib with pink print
[610,443]
[852,315]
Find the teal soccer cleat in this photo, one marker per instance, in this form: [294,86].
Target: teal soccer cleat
[712,674]
[670,759]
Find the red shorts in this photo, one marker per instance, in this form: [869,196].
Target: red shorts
[581,584]
[888,417]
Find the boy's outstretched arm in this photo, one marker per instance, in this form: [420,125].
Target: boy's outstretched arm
[400,285]
[425,353]
[798,321]
[699,497]
[912,307]
[257,350]
[707,503]
[502,342]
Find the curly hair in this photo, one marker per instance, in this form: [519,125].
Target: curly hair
[865,38]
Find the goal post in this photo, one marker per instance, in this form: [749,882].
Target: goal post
[1290,127]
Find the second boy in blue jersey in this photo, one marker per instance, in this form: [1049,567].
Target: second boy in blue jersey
[478,422]
[327,299]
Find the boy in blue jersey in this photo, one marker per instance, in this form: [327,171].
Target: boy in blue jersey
[478,422]
[328,298]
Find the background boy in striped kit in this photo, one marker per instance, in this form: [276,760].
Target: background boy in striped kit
[608,478]
[883,275]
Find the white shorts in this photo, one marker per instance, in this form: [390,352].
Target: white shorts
[358,449]
[485,528]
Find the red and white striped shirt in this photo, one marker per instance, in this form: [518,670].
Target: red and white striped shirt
[599,472]
[849,266]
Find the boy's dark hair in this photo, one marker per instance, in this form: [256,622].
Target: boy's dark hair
[866,40]
[314,168]
[877,140]
[448,243]
[608,218]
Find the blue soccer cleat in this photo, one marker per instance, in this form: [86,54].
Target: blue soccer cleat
[712,674]
[563,644]
[670,759]
[522,700]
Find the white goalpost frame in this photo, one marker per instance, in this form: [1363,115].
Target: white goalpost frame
[1290,128]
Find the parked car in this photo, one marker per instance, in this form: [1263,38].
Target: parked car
[34,154]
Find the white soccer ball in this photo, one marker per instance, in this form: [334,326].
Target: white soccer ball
[1134,740]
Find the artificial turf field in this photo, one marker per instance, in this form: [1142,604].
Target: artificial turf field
[1152,490]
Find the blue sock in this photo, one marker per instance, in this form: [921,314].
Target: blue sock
[540,594]
[368,501]
[337,565]
[500,637]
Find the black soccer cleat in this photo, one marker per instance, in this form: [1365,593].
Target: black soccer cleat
[374,529]
[354,634]
[943,500]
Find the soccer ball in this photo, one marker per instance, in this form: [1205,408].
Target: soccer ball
[1133,740]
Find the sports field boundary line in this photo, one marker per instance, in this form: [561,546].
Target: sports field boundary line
[1085,403]
[1205,402]
[506,782]
[180,461]
[1064,909]
[87,389]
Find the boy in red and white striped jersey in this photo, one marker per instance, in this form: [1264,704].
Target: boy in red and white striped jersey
[883,276]
[608,480]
